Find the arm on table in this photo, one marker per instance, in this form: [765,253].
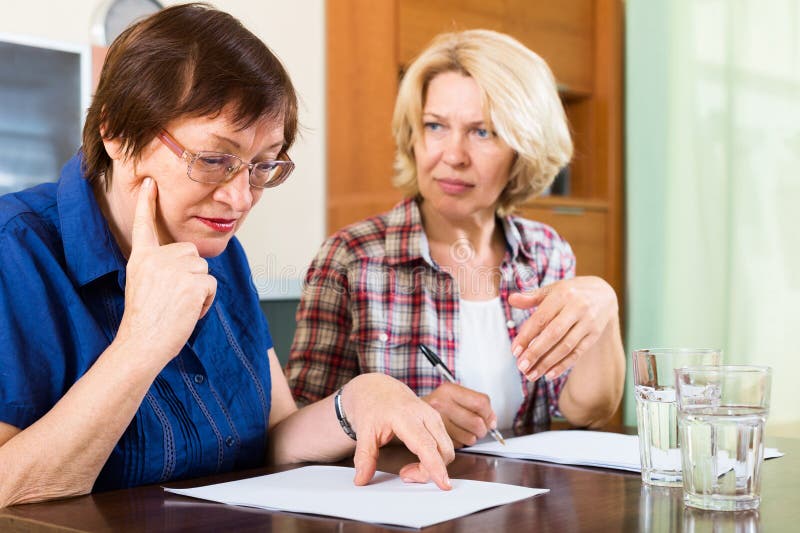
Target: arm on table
[62,453]
[378,407]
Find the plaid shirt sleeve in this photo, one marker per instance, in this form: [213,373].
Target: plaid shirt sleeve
[321,358]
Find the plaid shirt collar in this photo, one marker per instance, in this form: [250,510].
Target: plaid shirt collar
[406,240]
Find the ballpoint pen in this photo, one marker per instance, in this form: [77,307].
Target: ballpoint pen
[446,374]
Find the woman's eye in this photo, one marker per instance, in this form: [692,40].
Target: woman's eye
[266,166]
[483,133]
[432,126]
[214,160]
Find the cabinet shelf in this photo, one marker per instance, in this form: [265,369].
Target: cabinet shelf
[568,202]
[571,93]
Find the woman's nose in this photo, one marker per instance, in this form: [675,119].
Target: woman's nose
[237,192]
[455,153]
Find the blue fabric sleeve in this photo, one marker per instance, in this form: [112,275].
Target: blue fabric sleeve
[32,371]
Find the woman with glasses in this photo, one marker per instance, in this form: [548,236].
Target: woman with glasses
[479,129]
[134,348]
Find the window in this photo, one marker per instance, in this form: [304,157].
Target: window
[43,96]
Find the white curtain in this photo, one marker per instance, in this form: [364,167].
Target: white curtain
[713,183]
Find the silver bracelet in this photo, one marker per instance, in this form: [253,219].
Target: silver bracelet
[337,405]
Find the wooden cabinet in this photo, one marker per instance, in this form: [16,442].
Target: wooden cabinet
[370,42]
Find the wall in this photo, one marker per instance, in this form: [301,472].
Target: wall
[285,229]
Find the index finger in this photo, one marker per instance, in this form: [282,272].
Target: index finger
[432,455]
[365,458]
[554,323]
[144,233]
[536,323]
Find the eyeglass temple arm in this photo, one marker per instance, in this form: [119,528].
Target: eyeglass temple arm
[171,143]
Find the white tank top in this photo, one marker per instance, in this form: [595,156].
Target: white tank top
[484,362]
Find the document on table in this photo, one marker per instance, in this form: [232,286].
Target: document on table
[329,491]
[576,447]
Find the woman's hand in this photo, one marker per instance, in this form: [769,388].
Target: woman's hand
[569,318]
[467,414]
[168,288]
[379,407]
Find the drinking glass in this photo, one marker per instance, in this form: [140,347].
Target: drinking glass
[702,521]
[656,411]
[722,411]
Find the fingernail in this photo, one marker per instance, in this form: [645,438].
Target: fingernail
[493,425]
[407,479]
[147,182]
[533,375]
[517,350]
[551,374]
[523,365]
[447,481]
[533,340]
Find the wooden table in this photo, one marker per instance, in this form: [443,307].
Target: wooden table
[580,499]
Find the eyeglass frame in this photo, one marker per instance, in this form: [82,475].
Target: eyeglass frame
[190,158]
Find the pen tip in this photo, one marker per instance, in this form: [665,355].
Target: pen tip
[498,437]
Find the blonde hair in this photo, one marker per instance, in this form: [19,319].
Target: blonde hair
[520,101]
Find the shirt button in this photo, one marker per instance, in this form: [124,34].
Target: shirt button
[198,378]
[450,336]
[383,337]
[229,441]
[510,324]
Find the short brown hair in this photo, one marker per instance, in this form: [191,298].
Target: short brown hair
[186,60]
[520,101]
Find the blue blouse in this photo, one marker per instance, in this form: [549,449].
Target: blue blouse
[62,288]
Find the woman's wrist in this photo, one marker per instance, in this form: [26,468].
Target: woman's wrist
[132,359]
[341,416]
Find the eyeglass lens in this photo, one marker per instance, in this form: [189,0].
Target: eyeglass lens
[209,167]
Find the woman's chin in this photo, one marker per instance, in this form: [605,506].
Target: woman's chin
[211,249]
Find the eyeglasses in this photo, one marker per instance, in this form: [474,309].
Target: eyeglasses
[216,167]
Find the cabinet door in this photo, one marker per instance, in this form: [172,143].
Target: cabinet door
[584,229]
[561,32]
[362,84]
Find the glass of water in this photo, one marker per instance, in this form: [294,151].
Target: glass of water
[656,410]
[722,411]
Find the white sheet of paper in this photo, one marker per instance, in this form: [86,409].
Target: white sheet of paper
[329,491]
[577,447]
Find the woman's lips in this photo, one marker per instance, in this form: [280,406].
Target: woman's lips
[222,225]
[453,186]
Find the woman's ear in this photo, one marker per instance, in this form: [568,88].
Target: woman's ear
[114,146]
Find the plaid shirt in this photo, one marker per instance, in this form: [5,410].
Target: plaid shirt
[373,294]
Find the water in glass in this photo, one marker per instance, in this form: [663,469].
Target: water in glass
[657,420]
[722,457]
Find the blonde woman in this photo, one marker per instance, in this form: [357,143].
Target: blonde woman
[479,129]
